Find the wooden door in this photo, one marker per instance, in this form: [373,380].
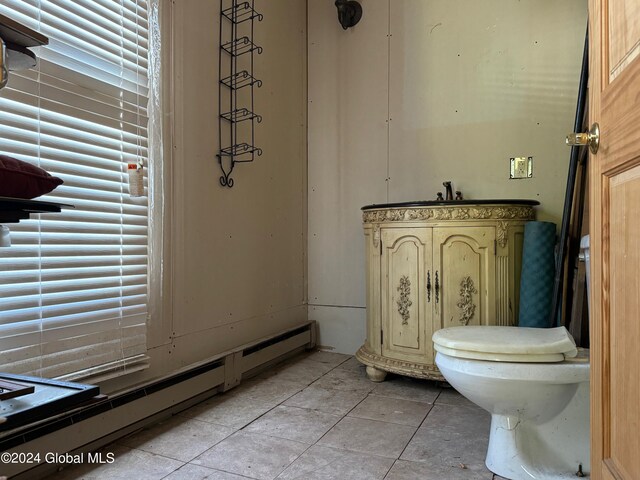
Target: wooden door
[614,102]
[464,259]
[406,304]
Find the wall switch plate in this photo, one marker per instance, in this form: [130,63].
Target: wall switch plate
[521,167]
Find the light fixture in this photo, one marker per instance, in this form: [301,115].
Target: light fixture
[349,12]
[14,40]
[5,236]
[18,57]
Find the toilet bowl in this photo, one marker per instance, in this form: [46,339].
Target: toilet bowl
[535,384]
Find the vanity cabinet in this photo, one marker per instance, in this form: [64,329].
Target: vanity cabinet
[435,265]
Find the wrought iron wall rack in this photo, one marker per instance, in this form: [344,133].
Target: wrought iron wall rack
[236,115]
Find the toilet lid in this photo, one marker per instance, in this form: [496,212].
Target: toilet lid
[506,344]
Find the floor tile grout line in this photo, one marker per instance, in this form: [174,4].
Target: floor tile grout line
[430,410]
[280,438]
[150,453]
[294,460]
[117,442]
[300,386]
[343,416]
[385,421]
[303,387]
[173,471]
[224,471]
[281,404]
[208,468]
[241,428]
[402,398]
[407,444]
[313,444]
[421,423]
[370,393]
[270,410]
[391,467]
[356,452]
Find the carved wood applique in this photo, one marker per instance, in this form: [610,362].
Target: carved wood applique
[404,303]
[467,290]
[503,212]
[376,236]
[501,233]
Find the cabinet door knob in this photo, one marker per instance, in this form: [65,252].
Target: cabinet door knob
[437,287]
[428,286]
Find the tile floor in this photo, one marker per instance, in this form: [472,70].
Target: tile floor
[314,417]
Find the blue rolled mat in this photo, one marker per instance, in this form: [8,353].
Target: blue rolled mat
[538,272]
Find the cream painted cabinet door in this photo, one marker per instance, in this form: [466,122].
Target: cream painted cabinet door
[464,263]
[406,306]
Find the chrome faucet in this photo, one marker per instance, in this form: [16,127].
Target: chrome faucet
[448,190]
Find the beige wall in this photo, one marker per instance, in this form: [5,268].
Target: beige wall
[423,91]
[235,257]
[382,127]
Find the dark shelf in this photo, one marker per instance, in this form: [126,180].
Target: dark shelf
[17,34]
[241,13]
[50,397]
[240,46]
[240,115]
[12,210]
[239,150]
[240,80]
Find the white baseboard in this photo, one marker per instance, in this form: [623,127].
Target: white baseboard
[151,403]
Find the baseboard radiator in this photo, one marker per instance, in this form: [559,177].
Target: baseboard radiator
[93,427]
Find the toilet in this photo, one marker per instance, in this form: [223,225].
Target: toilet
[535,384]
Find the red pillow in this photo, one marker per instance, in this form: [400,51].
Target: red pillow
[20,179]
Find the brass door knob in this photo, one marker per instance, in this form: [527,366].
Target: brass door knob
[591,138]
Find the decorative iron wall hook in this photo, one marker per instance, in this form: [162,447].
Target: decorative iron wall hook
[349,12]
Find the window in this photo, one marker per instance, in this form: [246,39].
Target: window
[74,285]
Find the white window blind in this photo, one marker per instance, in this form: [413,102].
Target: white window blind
[73,285]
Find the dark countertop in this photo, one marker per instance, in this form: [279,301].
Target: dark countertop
[451,203]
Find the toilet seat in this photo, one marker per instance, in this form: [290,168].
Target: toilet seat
[506,344]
